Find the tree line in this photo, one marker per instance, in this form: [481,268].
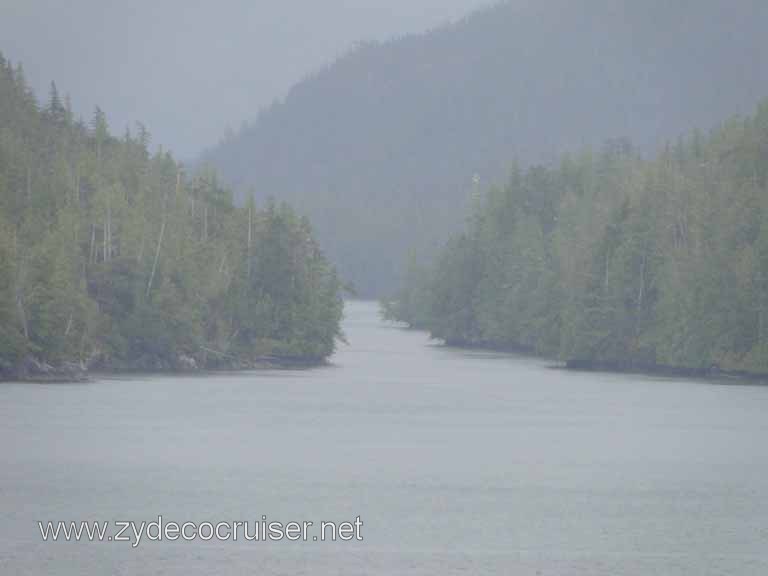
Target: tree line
[612,260]
[112,257]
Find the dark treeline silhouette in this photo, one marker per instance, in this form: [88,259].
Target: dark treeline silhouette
[380,149]
[111,258]
[613,261]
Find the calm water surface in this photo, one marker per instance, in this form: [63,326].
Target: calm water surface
[457,462]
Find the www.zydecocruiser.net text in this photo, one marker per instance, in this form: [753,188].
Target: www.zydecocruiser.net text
[263,530]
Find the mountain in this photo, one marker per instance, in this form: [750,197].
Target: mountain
[383,149]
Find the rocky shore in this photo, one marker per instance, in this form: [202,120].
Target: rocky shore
[34,370]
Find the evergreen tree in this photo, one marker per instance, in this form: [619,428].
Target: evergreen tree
[111,257]
[615,261]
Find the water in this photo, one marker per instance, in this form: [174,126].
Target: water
[457,463]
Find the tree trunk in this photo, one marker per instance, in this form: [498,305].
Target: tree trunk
[69,325]
[22,316]
[157,256]
[108,232]
[205,223]
[178,184]
[642,285]
[20,307]
[250,238]
[92,253]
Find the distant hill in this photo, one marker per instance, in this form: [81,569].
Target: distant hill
[380,149]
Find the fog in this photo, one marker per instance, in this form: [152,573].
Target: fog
[189,70]
[483,289]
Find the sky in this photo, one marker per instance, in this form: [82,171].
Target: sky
[190,69]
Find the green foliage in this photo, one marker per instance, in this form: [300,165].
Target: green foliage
[616,261]
[13,344]
[111,257]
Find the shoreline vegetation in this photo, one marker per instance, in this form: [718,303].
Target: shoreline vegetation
[37,372]
[611,261]
[651,370]
[115,259]
[710,373]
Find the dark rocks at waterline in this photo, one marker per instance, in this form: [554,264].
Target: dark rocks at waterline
[713,372]
[33,370]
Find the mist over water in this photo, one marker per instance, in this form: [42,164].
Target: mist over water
[457,462]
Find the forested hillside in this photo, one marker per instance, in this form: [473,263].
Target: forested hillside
[609,260]
[113,258]
[381,148]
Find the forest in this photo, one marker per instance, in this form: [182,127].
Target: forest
[115,258]
[609,260]
[380,148]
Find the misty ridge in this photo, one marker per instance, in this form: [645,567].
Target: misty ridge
[381,149]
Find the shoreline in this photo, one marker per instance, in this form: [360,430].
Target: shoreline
[37,372]
[712,374]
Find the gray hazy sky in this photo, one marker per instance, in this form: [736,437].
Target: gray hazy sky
[188,69]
